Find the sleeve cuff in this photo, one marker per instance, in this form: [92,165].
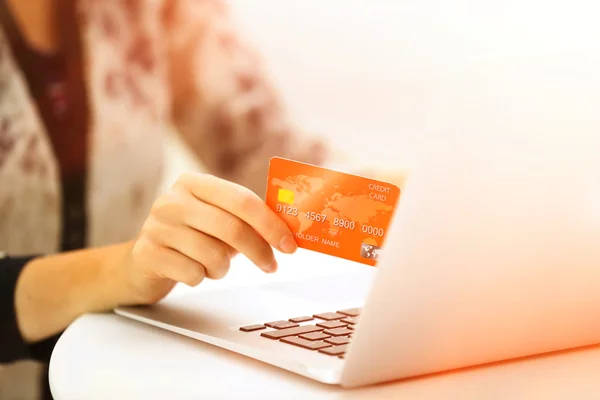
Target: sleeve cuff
[13,346]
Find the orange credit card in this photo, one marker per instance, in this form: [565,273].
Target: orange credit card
[332,212]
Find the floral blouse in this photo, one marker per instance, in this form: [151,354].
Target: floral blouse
[146,66]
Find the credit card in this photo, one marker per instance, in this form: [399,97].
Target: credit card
[332,212]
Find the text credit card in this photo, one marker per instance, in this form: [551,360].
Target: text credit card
[332,212]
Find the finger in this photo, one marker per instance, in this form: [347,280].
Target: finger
[231,230]
[244,204]
[213,254]
[176,266]
[181,207]
[216,256]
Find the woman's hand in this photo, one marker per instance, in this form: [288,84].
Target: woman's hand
[191,234]
[195,229]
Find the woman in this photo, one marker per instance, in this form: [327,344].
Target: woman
[87,90]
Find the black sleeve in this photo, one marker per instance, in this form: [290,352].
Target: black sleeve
[12,345]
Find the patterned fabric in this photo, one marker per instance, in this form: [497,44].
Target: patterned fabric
[150,65]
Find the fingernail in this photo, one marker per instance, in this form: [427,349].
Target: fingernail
[288,244]
[271,268]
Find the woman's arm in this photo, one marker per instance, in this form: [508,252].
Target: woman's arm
[39,297]
[191,233]
[52,291]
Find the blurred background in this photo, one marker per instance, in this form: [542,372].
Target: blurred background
[336,66]
[379,78]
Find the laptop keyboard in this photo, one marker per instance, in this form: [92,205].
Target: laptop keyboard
[328,333]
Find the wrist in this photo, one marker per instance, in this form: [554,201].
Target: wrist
[54,290]
[115,286]
[125,284]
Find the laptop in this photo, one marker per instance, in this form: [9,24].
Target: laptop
[493,254]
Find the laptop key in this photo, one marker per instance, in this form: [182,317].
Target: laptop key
[301,319]
[337,332]
[281,324]
[252,328]
[329,316]
[315,336]
[350,320]
[351,312]
[337,340]
[291,331]
[306,344]
[331,324]
[335,350]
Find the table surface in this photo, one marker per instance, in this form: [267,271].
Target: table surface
[107,356]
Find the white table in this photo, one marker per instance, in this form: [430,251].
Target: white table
[109,357]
